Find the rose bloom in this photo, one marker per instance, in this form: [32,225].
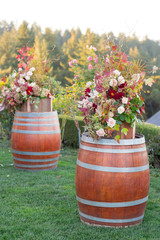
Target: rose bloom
[121,109]
[111,122]
[113,82]
[111,114]
[100,132]
[74,61]
[89,58]
[124,100]
[88,84]
[116,72]
[121,80]
[96,59]
[70,64]
[90,66]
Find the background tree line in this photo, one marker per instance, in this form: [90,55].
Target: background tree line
[59,48]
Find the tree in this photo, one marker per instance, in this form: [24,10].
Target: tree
[8,52]
[23,35]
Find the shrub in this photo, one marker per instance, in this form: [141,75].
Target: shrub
[69,134]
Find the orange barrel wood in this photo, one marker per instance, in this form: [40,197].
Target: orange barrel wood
[35,140]
[112,181]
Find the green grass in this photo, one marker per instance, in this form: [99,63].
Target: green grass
[42,205]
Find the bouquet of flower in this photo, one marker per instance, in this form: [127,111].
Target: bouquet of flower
[113,97]
[21,86]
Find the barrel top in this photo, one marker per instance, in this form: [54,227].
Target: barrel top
[139,139]
[35,114]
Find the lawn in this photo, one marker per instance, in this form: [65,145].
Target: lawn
[42,205]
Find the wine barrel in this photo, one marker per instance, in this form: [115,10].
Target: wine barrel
[112,181]
[35,140]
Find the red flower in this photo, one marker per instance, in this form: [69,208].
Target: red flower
[123,85]
[114,48]
[29,90]
[116,95]
[119,95]
[88,90]
[112,93]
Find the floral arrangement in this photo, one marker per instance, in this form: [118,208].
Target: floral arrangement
[113,96]
[25,83]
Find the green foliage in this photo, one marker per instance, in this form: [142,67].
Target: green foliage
[42,205]
[6,121]
[63,47]
[69,131]
[154,151]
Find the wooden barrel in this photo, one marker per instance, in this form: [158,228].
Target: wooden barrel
[35,140]
[112,181]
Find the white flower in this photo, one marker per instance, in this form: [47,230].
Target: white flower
[83,103]
[124,100]
[32,69]
[90,104]
[111,114]
[100,132]
[113,82]
[14,75]
[18,89]
[88,84]
[21,81]
[29,73]
[136,77]
[121,109]
[19,69]
[111,122]
[32,84]
[24,94]
[116,72]
[93,94]
[27,77]
[155,68]
[121,80]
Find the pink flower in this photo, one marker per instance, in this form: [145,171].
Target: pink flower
[96,59]
[107,60]
[121,109]
[111,122]
[74,61]
[100,132]
[89,58]
[70,64]
[90,66]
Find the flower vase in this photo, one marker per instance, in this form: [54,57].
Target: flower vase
[112,181]
[44,105]
[130,133]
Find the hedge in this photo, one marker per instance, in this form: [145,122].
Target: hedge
[70,133]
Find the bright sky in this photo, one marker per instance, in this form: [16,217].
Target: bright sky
[101,16]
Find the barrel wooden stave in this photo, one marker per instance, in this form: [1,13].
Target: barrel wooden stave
[36,141]
[99,187]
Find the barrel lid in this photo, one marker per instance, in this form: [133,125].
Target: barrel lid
[35,114]
[139,139]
